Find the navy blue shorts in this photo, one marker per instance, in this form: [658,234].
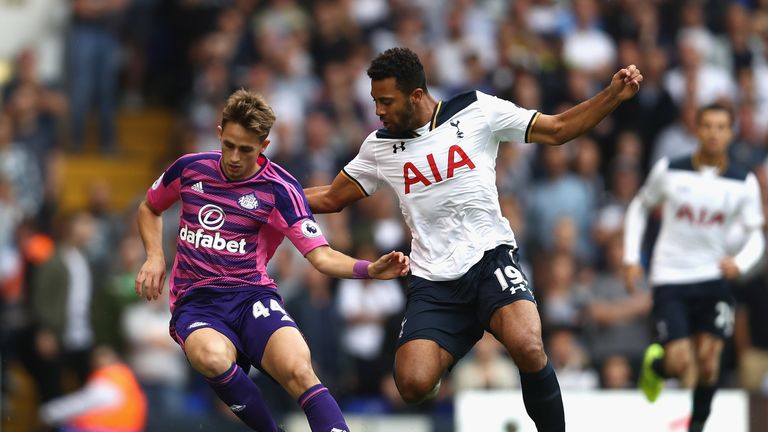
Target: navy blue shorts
[682,310]
[247,318]
[455,313]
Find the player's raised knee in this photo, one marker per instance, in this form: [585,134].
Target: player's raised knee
[415,389]
[211,359]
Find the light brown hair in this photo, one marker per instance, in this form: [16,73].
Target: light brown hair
[249,110]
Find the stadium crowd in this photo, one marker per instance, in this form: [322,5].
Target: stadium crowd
[66,280]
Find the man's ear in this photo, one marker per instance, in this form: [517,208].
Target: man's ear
[219,131]
[416,95]
[264,145]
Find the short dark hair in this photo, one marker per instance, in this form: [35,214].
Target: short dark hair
[250,111]
[714,107]
[403,65]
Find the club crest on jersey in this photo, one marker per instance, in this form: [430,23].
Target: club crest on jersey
[310,229]
[396,147]
[156,184]
[248,202]
[459,133]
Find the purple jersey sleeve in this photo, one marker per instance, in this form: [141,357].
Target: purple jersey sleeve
[292,216]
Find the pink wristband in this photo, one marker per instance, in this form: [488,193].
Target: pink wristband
[360,269]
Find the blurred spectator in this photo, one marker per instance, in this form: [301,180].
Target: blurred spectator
[334,34]
[587,47]
[94,65]
[739,45]
[652,108]
[317,313]
[487,368]
[318,154]
[559,194]
[366,305]
[570,360]
[35,125]
[33,25]
[10,256]
[695,78]
[615,323]
[513,170]
[624,180]
[105,224]
[111,400]
[586,165]
[62,299]
[751,333]
[561,295]
[19,169]
[119,292]
[616,373]
[679,138]
[379,224]
[459,45]
[408,30]
[156,359]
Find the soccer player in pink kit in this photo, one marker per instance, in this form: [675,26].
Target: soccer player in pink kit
[227,315]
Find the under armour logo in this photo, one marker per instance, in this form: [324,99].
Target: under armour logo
[402,146]
[337,430]
[459,133]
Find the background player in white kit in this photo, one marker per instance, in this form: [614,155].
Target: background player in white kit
[703,195]
[440,158]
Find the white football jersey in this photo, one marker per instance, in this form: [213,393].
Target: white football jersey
[701,206]
[445,176]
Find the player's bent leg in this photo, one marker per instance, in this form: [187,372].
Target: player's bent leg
[708,348]
[213,355]
[518,326]
[419,366]
[287,359]
[209,352]
[678,361]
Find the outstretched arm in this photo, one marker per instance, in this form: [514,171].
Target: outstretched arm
[561,128]
[334,197]
[151,277]
[336,264]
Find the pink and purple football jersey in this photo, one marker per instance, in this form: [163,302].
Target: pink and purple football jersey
[229,230]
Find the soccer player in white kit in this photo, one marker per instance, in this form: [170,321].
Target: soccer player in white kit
[440,158]
[703,197]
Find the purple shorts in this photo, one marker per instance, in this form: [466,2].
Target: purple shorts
[247,318]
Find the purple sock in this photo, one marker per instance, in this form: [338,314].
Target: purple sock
[323,413]
[244,398]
